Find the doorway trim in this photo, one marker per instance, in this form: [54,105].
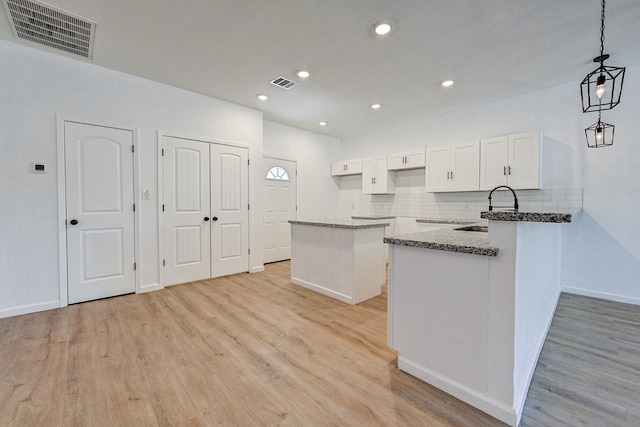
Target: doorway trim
[160,186]
[62,198]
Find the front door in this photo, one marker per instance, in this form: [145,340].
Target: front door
[187,221]
[279,207]
[99,211]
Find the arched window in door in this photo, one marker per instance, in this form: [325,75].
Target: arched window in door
[277,173]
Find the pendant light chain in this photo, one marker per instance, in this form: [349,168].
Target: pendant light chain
[602,35]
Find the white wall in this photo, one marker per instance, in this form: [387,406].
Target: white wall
[36,87]
[601,248]
[318,192]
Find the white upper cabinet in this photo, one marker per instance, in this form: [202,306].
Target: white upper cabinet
[414,159]
[512,160]
[346,167]
[453,168]
[376,179]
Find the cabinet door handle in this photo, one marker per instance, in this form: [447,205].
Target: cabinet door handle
[448,174]
[504,170]
[451,174]
[509,170]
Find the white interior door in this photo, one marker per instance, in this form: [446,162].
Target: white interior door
[187,228]
[229,209]
[100,211]
[279,207]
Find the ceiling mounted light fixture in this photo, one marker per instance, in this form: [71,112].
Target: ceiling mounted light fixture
[322,123]
[303,74]
[375,106]
[601,90]
[447,83]
[262,97]
[599,134]
[382,28]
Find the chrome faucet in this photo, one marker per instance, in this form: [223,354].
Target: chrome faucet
[515,199]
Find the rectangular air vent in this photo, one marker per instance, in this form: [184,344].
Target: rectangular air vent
[50,26]
[283,82]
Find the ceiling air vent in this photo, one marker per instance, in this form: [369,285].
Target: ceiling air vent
[283,82]
[50,26]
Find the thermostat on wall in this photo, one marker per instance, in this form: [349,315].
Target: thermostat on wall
[39,167]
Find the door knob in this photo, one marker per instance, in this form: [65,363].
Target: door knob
[73,222]
[215,218]
[206,218]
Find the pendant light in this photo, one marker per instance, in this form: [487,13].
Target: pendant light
[599,134]
[601,89]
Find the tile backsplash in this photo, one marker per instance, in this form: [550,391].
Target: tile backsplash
[415,202]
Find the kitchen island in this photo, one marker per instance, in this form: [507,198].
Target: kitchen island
[469,310]
[340,259]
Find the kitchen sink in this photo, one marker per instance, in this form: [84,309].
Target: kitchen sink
[476,228]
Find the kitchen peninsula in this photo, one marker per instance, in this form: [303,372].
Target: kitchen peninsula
[469,310]
[340,259]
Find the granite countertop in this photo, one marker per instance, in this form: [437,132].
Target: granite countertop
[526,216]
[447,239]
[372,217]
[446,221]
[339,223]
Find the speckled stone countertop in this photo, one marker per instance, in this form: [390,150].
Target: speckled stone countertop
[447,239]
[526,216]
[445,221]
[338,223]
[372,217]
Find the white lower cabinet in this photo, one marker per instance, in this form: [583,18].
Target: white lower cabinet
[453,168]
[512,160]
[376,179]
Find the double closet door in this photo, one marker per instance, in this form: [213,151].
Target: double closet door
[206,210]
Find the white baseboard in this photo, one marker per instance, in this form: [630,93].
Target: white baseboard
[149,287]
[473,397]
[31,308]
[322,290]
[257,269]
[601,295]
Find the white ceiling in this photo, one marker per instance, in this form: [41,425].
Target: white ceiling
[231,49]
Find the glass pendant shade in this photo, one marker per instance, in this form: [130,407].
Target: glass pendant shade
[601,89]
[599,134]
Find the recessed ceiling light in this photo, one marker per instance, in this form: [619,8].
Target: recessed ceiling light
[375,106]
[323,123]
[382,28]
[304,74]
[263,97]
[447,83]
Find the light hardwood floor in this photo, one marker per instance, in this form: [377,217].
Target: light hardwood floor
[255,350]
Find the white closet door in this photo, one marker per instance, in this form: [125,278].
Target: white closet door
[100,216]
[229,209]
[187,225]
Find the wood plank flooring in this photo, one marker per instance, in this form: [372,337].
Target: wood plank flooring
[255,350]
[588,373]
